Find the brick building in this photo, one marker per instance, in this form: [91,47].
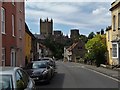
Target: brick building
[13,28]
[0,37]
[20,34]
[8,15]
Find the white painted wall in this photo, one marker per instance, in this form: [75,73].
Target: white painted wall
[39,51]
[67,54]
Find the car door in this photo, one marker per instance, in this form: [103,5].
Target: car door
[19,81]
[28,82]
[51,68]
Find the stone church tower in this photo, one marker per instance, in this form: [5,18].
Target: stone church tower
[46,27]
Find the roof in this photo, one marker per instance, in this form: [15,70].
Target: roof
[41,36]
[108,28]
[28,31]
[8,70]
[42,46]
[115,5]
[72,46]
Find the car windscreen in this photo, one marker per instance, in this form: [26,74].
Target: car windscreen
[6,82]
[39,65]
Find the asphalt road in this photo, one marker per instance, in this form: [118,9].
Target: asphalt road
[71,75]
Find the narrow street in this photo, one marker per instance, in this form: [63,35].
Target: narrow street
[74,75]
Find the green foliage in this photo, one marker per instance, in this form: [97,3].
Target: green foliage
[91,35]
[83,38]
[55,47]
[97,48]
[68,42]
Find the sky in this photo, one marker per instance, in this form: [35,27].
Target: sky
[87,15]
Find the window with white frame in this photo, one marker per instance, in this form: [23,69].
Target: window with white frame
[2,20]
[114,23]
[114,50]
[13,25]
[13,57]
[3,56]
[13,2]
[20,28]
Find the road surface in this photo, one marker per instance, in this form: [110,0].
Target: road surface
[74,75]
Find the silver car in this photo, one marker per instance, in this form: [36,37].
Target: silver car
[15,78]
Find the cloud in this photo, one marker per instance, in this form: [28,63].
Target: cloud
[83,15]
[99,11]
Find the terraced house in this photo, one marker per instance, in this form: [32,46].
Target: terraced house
[113,35]
[109,44]
[30,45]
[13,30]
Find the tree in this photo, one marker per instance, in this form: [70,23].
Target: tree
[56,48]
[91,35]
[102,31]
[97,48]
[83,38]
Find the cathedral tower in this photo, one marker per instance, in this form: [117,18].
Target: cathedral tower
[46,27]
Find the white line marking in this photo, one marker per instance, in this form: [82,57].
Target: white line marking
[82,66]
[73,66]
[103,74]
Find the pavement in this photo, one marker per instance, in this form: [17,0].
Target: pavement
[115,73]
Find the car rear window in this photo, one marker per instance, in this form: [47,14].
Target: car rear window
[6,82]
[39,65]
[44,59]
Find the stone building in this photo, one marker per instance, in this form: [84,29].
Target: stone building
[74,34]
[57,33]
[46,27]
[75,52]
[113,35]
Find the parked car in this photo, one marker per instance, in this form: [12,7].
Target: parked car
[15,78]
[40,71]
[50,60]
[51,67]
